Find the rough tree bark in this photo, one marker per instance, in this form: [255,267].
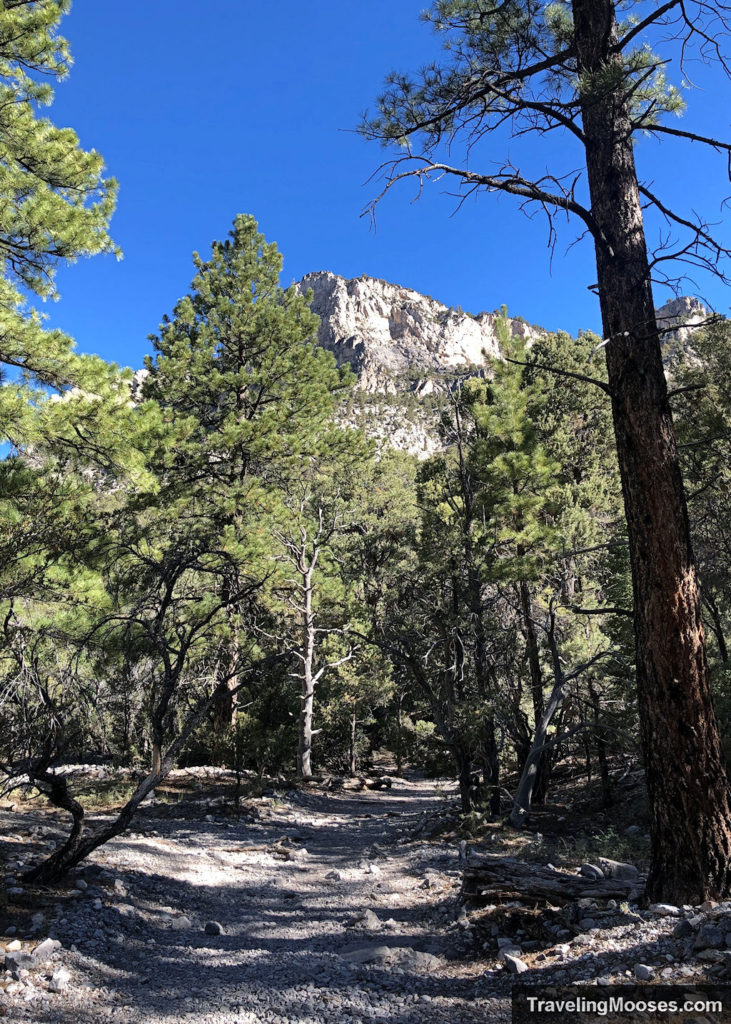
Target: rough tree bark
[686,778]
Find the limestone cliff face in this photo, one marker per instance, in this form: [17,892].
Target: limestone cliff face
[389,334]
[406,348]
[678,319]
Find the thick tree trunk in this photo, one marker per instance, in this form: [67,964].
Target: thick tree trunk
[687,785]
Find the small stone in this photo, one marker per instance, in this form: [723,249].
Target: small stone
[587,923]
[97,904]
[643,973]
[81,884]
[514,964]
[664,910]
[60,979]
[213,928]
[367,920]
[632,830]
[18,961]
[683,930]
[46,948]
[13,946]
[179,924]
[334,876]
[368,954]
[504,943]
[16,890]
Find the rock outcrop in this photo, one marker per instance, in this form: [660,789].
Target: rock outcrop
[406,349]
[396,339]
[678,320]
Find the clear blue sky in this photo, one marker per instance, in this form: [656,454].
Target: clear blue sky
[205,111]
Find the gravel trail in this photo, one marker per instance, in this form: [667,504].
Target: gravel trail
[329,911]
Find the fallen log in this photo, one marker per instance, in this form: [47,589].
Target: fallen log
[488,878]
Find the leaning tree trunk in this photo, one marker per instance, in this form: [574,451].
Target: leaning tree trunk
[686,779]
[538,749]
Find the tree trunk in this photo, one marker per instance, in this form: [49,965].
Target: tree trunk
[156,757]
[716,625]
[304,754]
[464,777]
[686,780]
[526,786]
[543,771]
[353,759]
[600,736]
[225,708]
[492,766]
[399,734]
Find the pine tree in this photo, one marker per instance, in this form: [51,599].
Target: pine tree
[55,203]
[577,71]
[246,394]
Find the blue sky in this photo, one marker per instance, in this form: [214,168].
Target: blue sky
[202,112]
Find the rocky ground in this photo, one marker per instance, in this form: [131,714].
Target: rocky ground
[309,908]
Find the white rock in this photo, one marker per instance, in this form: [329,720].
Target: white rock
[60,979]
[664,910]
[515,964]
[46,948]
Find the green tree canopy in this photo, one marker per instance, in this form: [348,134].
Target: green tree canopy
[55,206]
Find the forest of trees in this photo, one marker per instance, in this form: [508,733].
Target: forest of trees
[200,565]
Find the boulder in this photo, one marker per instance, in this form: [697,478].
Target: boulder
[617,869]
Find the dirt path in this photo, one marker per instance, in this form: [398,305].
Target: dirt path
[329,911]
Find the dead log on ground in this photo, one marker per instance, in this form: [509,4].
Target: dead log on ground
[487,879]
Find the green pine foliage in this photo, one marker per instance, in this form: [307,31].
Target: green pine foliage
[56,204]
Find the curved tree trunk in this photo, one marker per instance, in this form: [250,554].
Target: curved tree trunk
[686,779]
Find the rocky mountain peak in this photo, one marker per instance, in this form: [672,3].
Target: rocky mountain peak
[383,330]
[678,318]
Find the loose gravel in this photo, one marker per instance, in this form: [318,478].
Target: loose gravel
[322,909]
